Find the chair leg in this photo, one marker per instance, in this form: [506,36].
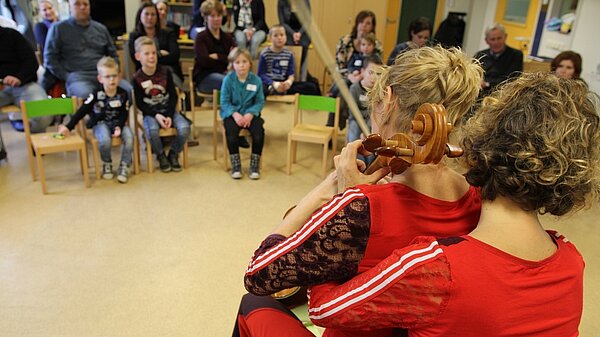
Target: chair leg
[294,151]
[215,141]
[225,151]
[32,163]
[136,153]
[42,175]
[95,152]
[149,162]
[325,163]
[334,146]
[185,156]
[289,157]
[84,160]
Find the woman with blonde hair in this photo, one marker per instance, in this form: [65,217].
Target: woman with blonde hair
[329,237]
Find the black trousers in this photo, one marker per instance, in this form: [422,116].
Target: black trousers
[232,132]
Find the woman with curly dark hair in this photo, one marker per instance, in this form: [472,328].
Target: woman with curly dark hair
[532,148]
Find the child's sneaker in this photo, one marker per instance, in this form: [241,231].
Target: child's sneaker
[163,162]
[123,173]
[107,172]
[236,166]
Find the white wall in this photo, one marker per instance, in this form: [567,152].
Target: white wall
[481,15]
[585,41]
[131,7]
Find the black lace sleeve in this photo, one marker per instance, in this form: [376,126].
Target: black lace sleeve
[332,252]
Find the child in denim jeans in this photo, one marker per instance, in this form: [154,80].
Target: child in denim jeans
[156,97]
[108,108]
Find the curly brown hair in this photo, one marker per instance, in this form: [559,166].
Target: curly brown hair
[536,141]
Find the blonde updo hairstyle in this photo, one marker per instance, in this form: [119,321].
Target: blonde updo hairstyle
[426,75]
[536,141]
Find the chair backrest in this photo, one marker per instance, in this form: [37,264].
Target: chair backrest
[46,107]
[297,51]
[319,103]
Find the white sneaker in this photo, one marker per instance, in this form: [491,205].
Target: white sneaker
[107,172]
[254,175]
[123,173]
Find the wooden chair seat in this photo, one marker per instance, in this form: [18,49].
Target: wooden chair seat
[281,98]
[9,108]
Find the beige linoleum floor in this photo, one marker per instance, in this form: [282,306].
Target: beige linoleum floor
[164,254]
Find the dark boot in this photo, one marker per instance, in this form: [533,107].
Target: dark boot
[163,162]
[174,161]
[236,166]
[254,167]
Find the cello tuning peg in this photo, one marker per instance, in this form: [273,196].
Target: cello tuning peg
[453,151]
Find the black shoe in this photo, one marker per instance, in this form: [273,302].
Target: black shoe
[243,142]
[173,160]
[163,162]
[3,154]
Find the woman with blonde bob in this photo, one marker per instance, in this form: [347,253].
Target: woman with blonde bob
[332,237]
[533,148]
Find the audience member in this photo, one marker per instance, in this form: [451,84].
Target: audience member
[148,24]
[73,48]
[500,62]
[156,98]
[163,13]
[276,67]
[367,48]
[107,108]
[419,32]
[567,64]
[20,12]
[370,68]
[198,18]
[48,16]
[533,148]
[211,48]
[242,100]
[355,230]
[251,28]
[294,30]
[364,24]
[18,78]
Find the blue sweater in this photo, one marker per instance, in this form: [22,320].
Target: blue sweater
[74,48]
[243,97]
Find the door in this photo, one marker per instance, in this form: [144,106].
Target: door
[411,10]
[519,18]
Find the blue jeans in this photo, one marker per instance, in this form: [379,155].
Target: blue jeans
[28,92]
[211,82]
[179,123]
[257,38]
[104,136]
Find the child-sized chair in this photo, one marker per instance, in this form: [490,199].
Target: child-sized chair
[303,131]
[45,143]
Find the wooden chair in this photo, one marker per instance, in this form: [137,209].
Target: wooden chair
[313,133]
[45,143]
[89,137]
[139,129]
[202,107]
[9,108]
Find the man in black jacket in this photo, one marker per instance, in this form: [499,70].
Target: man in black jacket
[500,62]
[18,72]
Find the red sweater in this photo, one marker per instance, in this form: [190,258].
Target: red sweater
[459,287]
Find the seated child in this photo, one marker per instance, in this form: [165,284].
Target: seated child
[355,64]
[276,67]
[156,97]
[242,100]
[370,65]
[108,108]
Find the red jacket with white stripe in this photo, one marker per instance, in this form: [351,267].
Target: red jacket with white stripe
[352,233]
[459,287]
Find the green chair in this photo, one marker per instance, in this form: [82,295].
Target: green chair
[303,131]
[46,143]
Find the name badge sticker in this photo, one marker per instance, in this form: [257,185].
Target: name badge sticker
[146,84]
[115,104]
[358,63]
[284,63]
[251,87]
[363,98]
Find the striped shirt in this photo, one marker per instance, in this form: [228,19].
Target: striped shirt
[273,66]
